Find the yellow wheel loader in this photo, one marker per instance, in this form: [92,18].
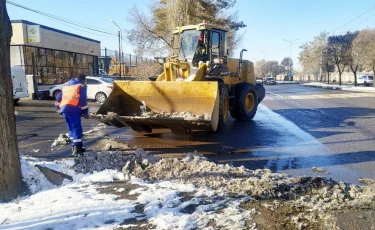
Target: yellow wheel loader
[197,90]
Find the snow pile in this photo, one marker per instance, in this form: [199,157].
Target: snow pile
[73,206]
[260,183]
[99,161]
[342,87]
[166,207]
[177,115]
[313,194]
[287,82]
[168,193]
[81,205]
[32,176]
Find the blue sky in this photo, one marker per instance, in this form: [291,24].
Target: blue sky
[268,21]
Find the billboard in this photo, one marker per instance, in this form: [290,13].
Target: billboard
[33,33]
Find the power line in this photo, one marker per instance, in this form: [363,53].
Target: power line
[353,19]
[65,24]
[60,19]
[362,22]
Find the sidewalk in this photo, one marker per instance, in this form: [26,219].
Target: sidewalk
[342,87]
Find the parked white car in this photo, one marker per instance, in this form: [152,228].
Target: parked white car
[19,82]
[365,80]
[98,88]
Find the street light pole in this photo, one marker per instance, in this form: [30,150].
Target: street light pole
[119,44]
[290,52]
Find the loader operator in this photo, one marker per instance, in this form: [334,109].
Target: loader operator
[200,52]
[72,104]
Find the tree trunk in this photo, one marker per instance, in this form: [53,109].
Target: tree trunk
[354,70]
[340,71]
[10,169]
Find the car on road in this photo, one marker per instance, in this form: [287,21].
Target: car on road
[19,83]
[98,88]
[270,81]
[365,80]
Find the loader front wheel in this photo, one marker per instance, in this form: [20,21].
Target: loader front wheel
[224,106]
[246,104]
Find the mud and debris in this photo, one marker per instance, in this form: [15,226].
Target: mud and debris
[102,160]
[366,181]
[177,115]
[221,196]
[311,196]
[315,169]
[62,140]
[107,147]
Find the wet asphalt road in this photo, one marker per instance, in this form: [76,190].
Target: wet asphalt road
[296,128]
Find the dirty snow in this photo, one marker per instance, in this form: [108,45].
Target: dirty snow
[287,82]
[321,170]
[79,204]
[342,87]
[96,129]
[62,140]
[181,115]
[173,194]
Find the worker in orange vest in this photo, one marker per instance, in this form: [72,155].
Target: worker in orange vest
[72,104]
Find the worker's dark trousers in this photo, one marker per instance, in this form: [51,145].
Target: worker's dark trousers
[73,121]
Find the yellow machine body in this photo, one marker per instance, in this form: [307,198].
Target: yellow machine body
[186,96]
[166,105]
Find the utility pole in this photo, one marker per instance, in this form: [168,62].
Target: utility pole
[119,43]
[119,52]
[290,52]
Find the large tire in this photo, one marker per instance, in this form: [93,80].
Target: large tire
[15,101]
[224,106]
[246,102]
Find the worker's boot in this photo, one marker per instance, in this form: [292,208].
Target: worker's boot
[78,150]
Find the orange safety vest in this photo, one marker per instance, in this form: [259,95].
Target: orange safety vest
[70,95]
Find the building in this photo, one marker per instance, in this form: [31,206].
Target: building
[58,55]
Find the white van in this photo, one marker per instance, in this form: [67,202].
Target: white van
[19,82]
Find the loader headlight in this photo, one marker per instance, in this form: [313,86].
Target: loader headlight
[219,60]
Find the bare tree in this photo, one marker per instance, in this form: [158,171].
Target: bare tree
[287,63]
[10,169]
[153,33]
[353,59]
[327,63]
[339,50]
[311,55]
[259,70]
[363,49]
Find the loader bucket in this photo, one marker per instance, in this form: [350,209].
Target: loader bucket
[178,106]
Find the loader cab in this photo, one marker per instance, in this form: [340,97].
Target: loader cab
[193,47]
[202,43]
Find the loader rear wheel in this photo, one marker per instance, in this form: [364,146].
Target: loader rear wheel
[224,106]
[246,103]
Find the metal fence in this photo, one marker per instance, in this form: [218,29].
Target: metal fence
[110,62]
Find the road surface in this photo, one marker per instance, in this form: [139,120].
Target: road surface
[296,128]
